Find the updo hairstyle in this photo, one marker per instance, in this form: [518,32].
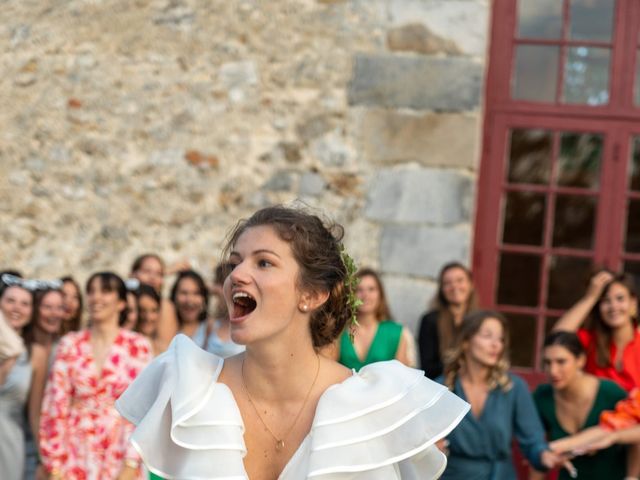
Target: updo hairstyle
[317,249]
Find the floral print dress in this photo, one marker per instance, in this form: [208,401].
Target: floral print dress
[82,436]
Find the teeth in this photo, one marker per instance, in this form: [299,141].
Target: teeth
[241,295]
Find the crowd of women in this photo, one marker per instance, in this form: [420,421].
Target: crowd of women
[81,349]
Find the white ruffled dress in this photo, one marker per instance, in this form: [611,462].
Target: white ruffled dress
[379,424]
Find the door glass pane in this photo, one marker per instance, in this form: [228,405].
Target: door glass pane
[591,19]
[634,168]
[586,76]
[574,221]
[634,269]
[519,279]
[536,70]
[633,227]
[568,279]
[579,161]
[539,18]
[522,333]
[524,218]
[530,156]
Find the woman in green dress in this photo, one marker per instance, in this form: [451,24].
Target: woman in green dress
[573,401]
[377,337]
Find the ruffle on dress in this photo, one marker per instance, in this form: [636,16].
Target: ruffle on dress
[378,424]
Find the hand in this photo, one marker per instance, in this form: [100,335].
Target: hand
[179,266]
[597,284]
[128,473]
[554,460]
[443,446]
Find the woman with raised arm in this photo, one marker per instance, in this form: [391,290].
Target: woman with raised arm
[610,337]
[477,370]
[377,337]
[572,402]
[439,327]
[280,410]
[82,437]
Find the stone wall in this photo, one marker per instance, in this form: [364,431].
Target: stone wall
[152,125]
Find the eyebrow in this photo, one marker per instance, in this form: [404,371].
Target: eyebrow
[256,252]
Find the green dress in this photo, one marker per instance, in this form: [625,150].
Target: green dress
[609,463]
[383,347]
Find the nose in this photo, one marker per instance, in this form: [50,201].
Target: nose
[239,274]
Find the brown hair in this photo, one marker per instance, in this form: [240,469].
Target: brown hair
[600,328]
[383,312]
[447,329]
[28,333]
[75,323]
[317,249]
[111,282]
[455,356]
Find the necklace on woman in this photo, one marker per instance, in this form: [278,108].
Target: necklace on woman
[280,441]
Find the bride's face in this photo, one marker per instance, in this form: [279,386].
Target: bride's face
[261,291]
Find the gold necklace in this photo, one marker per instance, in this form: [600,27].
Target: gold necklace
[280,441]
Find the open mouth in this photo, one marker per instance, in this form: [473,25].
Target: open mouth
[243,304]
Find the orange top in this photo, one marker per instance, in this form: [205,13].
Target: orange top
[629,376]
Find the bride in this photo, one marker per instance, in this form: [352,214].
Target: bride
[280,410]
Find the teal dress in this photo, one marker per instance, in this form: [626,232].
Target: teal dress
[609,463]
[383,347]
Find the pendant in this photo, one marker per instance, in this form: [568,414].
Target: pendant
[279,445]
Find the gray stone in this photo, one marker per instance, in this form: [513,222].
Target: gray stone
[313,127]
[421,195]
[331,150]
[421,251]
[421,83]
[20,34]
[280,182]
[238,74]
[311,185]
[408,299]
[443,139]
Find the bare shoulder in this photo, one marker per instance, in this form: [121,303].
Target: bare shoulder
[332,372]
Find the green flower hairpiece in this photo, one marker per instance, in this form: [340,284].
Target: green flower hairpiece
[351,283]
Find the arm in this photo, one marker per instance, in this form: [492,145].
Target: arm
[403,354]
[5,368]
[527,426]
[574,317]
[168,326]
[54,417]
[36,393]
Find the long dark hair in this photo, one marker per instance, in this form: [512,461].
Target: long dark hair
[447,329]
[603,331]
[567,340]
[75,323]
[202,290]
[382,310]
[111,282]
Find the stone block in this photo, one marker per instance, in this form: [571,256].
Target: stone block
[311,185]
[421,251]
[408,299]
[420,195]
[416,82]
[466,22]
[444,139]
[416,37]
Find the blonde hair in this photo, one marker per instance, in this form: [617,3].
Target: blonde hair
[454,358]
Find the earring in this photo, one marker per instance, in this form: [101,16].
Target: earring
[305,307]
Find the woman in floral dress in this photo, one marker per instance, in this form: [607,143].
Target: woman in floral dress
[82,437]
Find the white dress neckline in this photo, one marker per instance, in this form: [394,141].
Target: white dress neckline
[378,424]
